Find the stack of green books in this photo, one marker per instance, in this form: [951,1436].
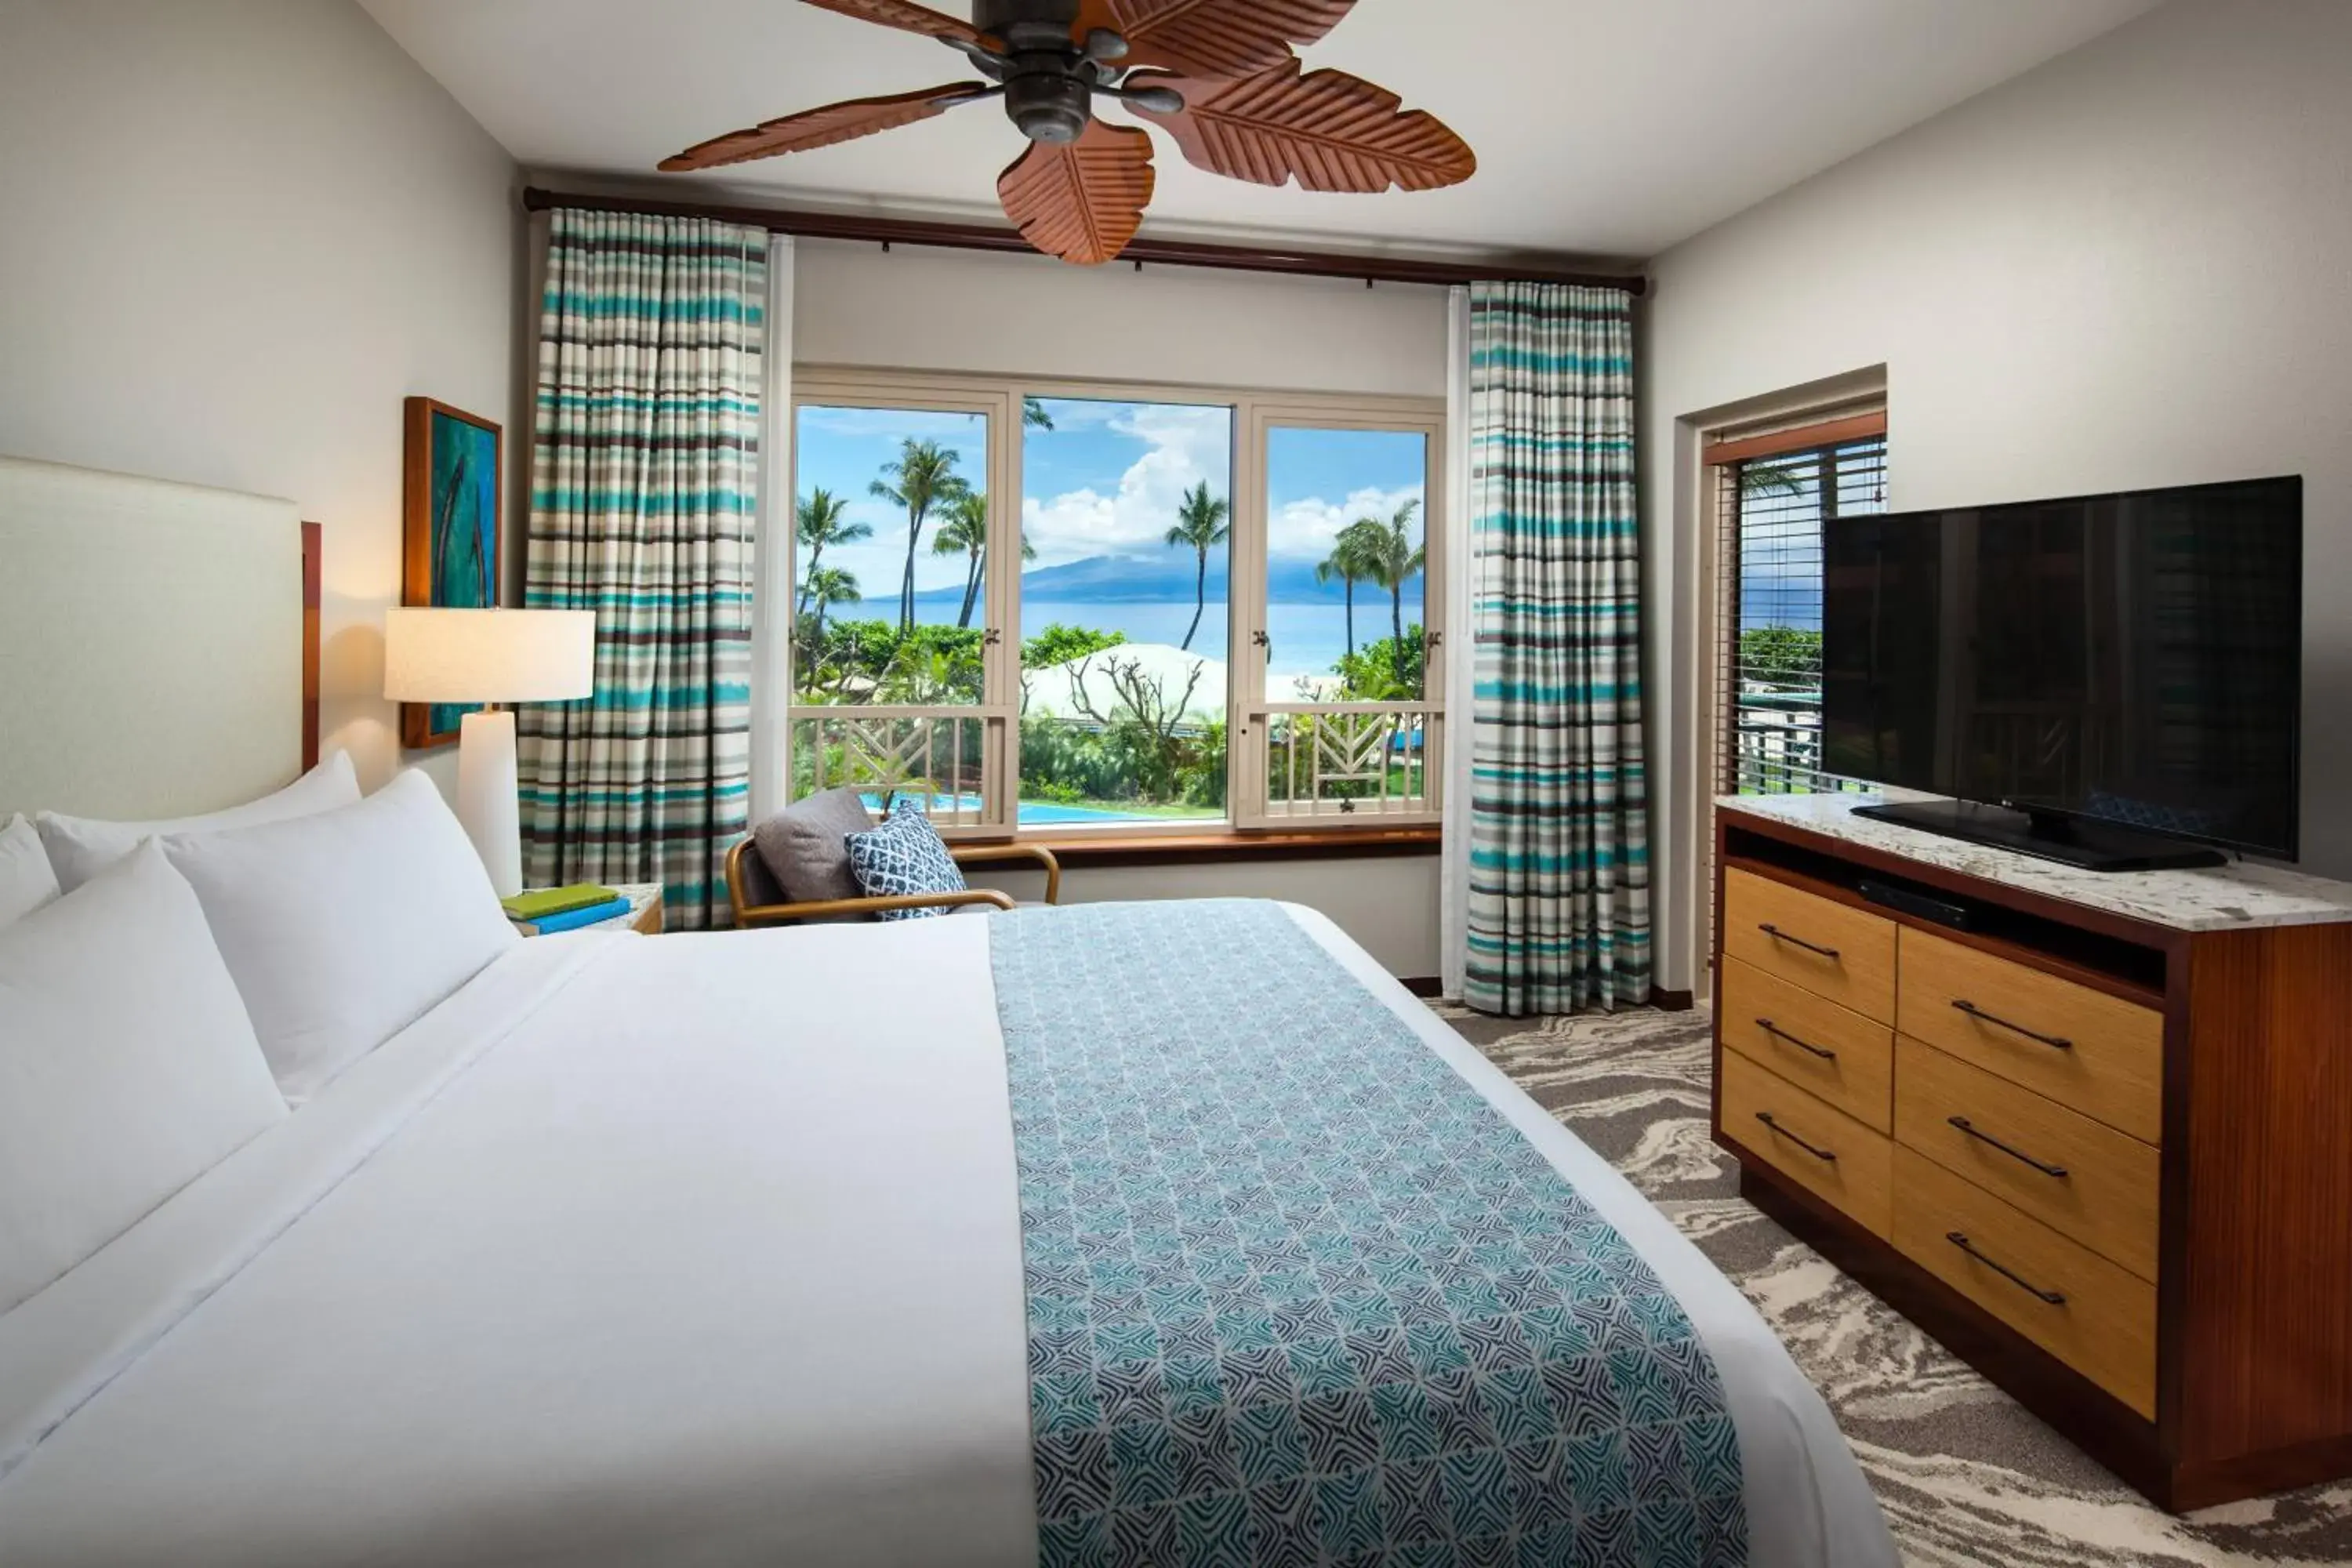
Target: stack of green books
[542,911]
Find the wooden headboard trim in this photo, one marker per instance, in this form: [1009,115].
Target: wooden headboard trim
[312,593]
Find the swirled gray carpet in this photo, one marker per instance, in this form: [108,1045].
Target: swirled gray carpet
[1964,1475]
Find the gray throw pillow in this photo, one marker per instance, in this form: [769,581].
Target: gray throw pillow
[806,847]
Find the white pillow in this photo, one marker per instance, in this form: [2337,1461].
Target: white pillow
[128,1067]
[82,847]
[26,880]
[345,926]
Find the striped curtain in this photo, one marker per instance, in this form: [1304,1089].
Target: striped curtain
[644,503]
[1558,906]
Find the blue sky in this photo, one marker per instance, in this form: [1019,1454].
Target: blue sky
[1106,480]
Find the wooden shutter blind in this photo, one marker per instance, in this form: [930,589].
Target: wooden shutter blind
[1775,490]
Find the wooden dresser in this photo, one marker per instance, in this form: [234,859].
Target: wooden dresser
[2096,1138]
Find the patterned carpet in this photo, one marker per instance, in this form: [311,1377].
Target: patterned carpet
[1964,1475]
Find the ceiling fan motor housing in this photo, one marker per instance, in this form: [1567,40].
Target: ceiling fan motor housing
[1048,82]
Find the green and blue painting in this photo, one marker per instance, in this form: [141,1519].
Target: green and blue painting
[464,543]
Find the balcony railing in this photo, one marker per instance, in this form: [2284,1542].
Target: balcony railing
[949,758]
[1775,743]
[1345,764]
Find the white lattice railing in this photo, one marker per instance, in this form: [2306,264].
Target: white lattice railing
[1339,764]
[953,758]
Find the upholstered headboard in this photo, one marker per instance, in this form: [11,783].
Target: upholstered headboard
[158,644]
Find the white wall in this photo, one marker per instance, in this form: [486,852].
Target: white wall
[914,308]
[234,236]
[2130,268]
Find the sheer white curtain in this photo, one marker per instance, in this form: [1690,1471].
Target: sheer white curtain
[1463,582]
[771,570]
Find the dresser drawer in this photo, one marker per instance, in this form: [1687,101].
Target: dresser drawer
[2089,1051]
[2102,1321]
[1822,1150]
[1828,949]
[2080,1177]
[1838,1053]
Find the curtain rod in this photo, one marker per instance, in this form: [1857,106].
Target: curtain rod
[1164,252]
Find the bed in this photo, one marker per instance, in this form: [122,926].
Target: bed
[765,1248]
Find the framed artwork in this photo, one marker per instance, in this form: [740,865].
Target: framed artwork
[452,488]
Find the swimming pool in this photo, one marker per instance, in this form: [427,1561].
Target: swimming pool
[1036,812]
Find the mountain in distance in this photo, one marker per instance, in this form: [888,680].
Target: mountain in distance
[1160,579]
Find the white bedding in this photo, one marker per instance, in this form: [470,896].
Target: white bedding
[702,1250]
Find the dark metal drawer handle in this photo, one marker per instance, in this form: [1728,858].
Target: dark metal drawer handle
[1818,1153]
[1778,1033]
[1981,1016]
[1965,1125]
[1961,1241]
[1777,934]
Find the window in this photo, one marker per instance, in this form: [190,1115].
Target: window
[1775,494]
[1345,634]
[1203,611]
[895,522]
[1126,650]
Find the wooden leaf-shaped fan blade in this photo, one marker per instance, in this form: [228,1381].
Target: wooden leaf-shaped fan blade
[836,122]
[1328,130]
[1084,201]
[1220,39]
[903,14]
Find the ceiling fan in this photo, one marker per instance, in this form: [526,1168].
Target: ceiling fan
[1219,75]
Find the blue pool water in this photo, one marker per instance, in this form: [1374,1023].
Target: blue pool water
[1034,814]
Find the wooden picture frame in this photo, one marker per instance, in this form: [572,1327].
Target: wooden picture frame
[453,530]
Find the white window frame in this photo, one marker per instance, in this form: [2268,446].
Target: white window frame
[1250,715]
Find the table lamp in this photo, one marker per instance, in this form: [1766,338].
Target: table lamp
[491,656]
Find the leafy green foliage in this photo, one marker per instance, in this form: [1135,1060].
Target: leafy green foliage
[1382,672]
[1058,644]
[1783,655]
[870,661]
[1128,762]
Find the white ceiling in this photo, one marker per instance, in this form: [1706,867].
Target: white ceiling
[1606,128]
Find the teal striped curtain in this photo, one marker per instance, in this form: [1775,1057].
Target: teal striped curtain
[1559,907]
[644,501]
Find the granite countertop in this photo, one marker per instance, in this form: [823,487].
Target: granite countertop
[2226,898]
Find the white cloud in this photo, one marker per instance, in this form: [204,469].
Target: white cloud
[1305,530]
[1184,447]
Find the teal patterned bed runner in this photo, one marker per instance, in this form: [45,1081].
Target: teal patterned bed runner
[1299,1295]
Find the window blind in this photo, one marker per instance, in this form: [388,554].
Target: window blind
[1772,509]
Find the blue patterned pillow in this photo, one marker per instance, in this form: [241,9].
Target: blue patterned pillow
[903,857]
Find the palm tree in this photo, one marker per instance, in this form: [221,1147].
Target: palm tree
[964,531]
[1760,479]
[921,478]
[824,521]
[1393,561]
[1034,416]
[1351,562]
[1202,522]
[825,589]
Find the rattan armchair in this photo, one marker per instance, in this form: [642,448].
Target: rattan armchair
[752,890]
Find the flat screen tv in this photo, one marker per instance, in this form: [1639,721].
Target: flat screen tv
[2109,682]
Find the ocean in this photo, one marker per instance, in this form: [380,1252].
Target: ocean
[1307,638]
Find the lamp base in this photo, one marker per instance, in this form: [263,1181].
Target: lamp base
[488,787]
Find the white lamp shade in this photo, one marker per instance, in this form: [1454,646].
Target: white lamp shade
[489,656]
